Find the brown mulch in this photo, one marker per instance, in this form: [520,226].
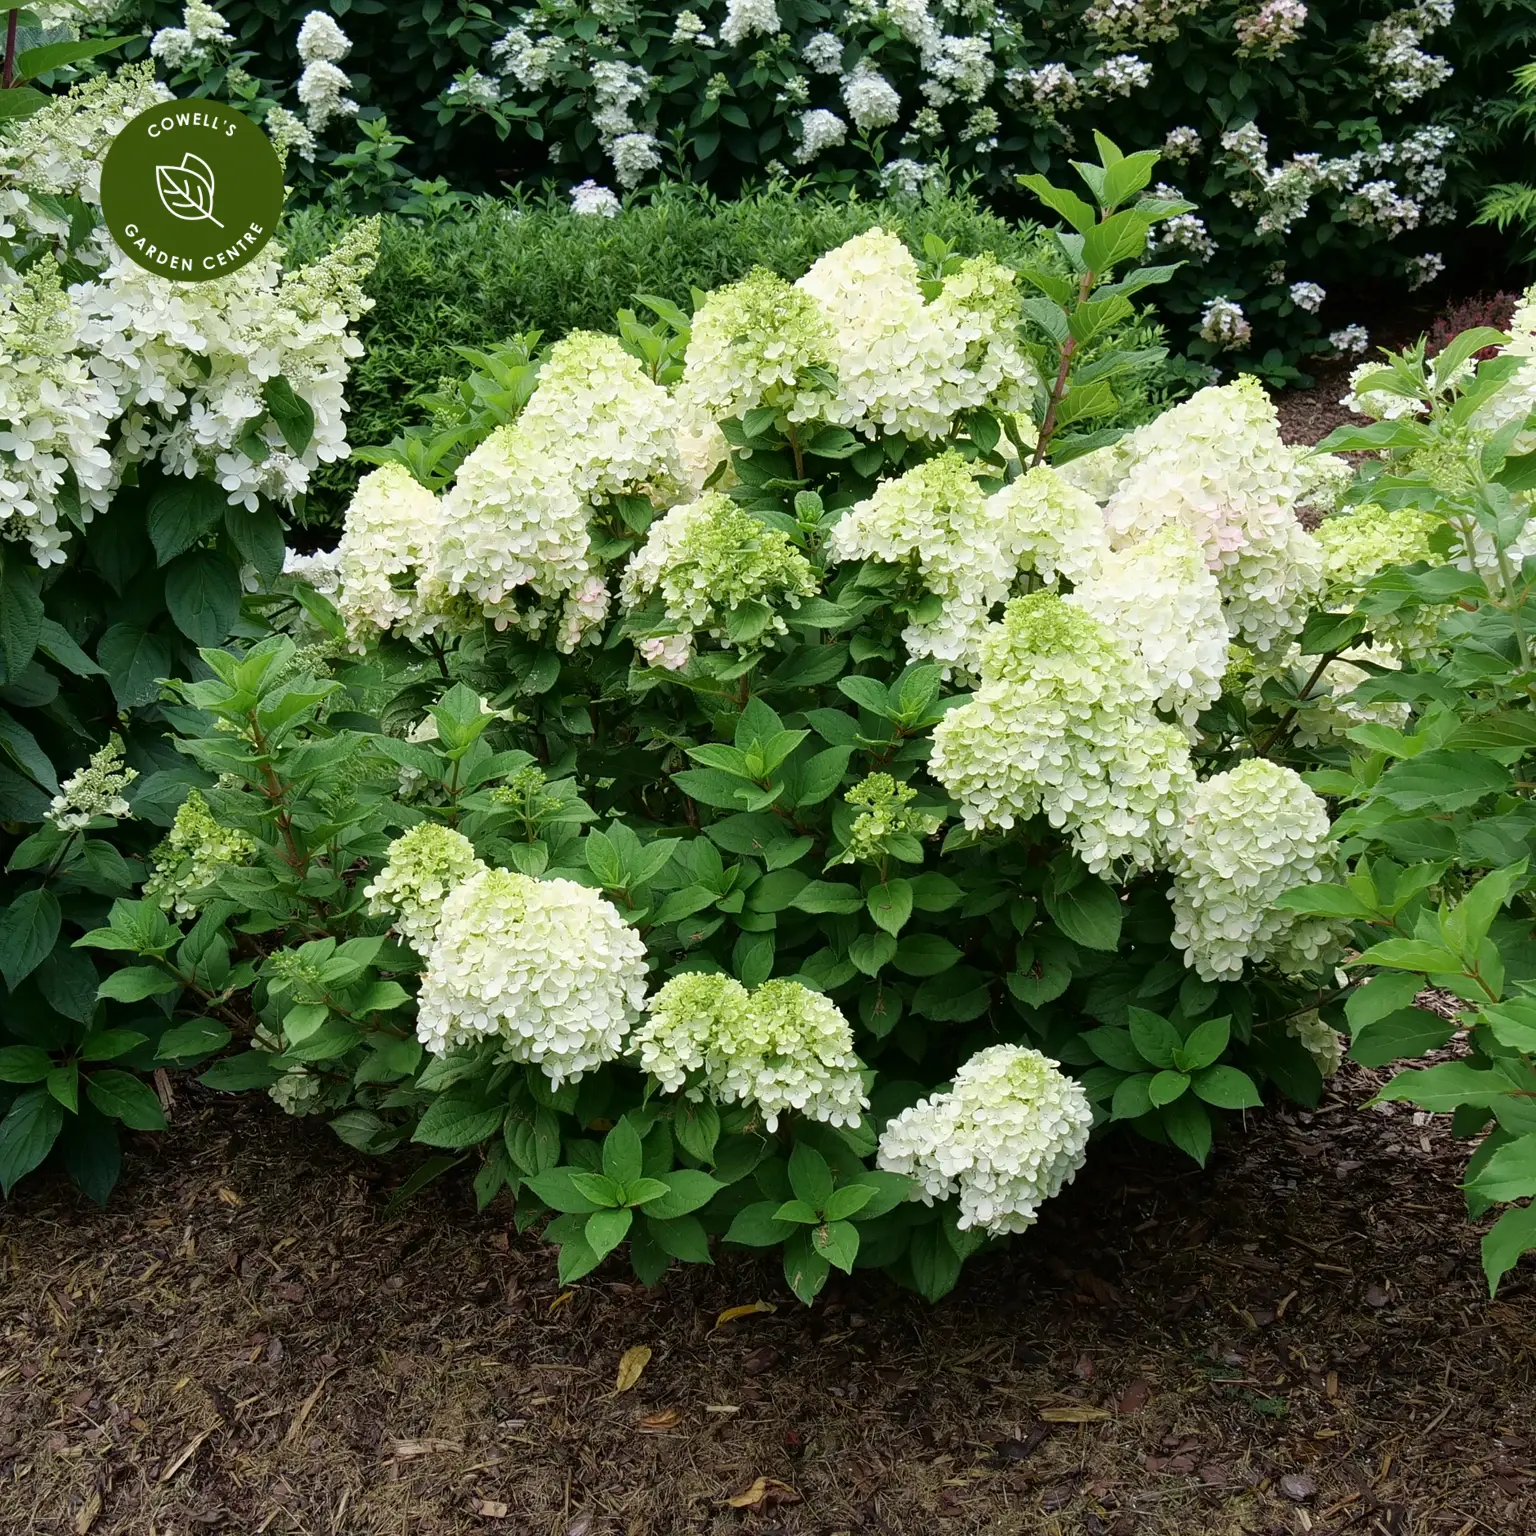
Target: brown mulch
[1309,415]
[1298,1340]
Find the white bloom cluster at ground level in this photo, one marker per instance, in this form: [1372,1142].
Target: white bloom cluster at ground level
[1010,1133]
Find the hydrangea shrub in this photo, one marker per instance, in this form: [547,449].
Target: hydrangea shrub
[153,439]
[792,799]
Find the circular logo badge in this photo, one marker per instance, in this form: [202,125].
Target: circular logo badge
[191,189]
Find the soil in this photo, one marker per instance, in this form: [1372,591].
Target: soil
[1297,1340]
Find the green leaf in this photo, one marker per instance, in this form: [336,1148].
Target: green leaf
[805,1270]
[1090,914]
[683,1238]
[697,1128]
[1407,1033]
[605,1230]
[134,983]
[1411,955]
[891,905]
[756,1226]
[456,1120]
[1188,1126]
[109,1044]
[19,102]
[32,62]
[135,661]
[1443,1088]
[186,1042]
[1227,1088]
[925,954]
[933,1261]
[822,774]
[27,1134]
[294,415]
[1513,1234]
[202,592]
[21,615]
[92,1154]
[180,512]
[57,644]
[871,952]
[838,1243]
[1380,996]
[237,1074]
[122,1096]
[1205,1044]
[1069,205]
[29,928]
[622,1155]
[1154,1037]
[1165,1087]
[558,1189]
[688,1190]
[24,1064]
[823,896]
[1510,1174]
[809,1176]
[848,1200]
[1444,780]
[63,1083]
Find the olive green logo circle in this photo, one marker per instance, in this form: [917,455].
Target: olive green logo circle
[191,190]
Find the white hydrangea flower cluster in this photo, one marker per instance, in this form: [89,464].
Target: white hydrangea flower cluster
[1160,596]
[690,29]
[424,865]
[323,86]
[513,529]
[1010,1133]
[589,199]
[1217,464]
[1224,325]
[704,560]
[1122,74]
[778,1048]
[320,569]
[1246,837]
[201,34]
[1184,231]
[871,99]
[1062,723]
[1261,34]
[1050,88]
[905,364]
[546,968]
[1423,270]
[55,416]
[94,790]
[823,53]
[1360,545]
[387,549]
[1404,71]
[969,549]
[1308,296]
[1182,143]
[1137,21]
[748,18]
[192,855]
[1322,1042]
[1350,341]
[820,130]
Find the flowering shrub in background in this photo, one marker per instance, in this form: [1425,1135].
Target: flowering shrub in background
[153,437]
[785,780]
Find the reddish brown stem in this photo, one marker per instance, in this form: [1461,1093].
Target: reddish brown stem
[8,78]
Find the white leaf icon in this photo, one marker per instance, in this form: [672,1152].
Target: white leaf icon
[186,190]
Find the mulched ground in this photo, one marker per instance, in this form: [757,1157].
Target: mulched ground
[1297,1341]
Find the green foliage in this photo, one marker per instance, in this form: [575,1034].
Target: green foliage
[501,271]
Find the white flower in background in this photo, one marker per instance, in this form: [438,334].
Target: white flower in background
[958,67]
[1308,296]
[1404,71]
[1246,837]
[589,199]
[1358,546]
[1424,269]
[1184,231]
[759,342]
[192,856]
[321,39]
[748,18]
[585,609]
[1275,25]
[779,1048]
[1351,340]
[907,178]
[1137,21]
[1010,1133]
[1050,89]
[1378,404]
[706,559]
[1122,74]
[1378,203]
[819,130]
[320,569]
[689,31]
[823,53]
[546,968]
[530,61]
[1224,325]
[1162,599]
[322,92]
[289,134]
[1182,144]
[92,791]
[635,156]
[388,546]
[473,90]
[871,99]
[422,866]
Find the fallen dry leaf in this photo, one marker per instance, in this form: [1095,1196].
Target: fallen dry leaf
[408,1450]
[764,1493]
[668,1418]
[1135,1396]
[563,1299]
[87,1516]
[491,1509]
[229,1197]
[1074,1415]
[748,1309]
[631,1366]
